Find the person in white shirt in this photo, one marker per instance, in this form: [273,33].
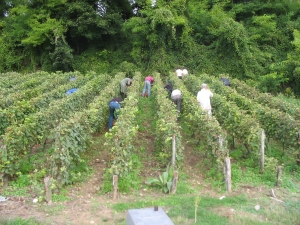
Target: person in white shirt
[184,72]
[203,97]
[176,98]
[178,72]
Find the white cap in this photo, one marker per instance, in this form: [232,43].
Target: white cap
[203,85]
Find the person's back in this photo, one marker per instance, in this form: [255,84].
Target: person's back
[175,92]
[126,81]
[150,79]
[147,85]
[169,87]
[123,86]
[176,98]
[178,72]
[116,99]
[203,97]
[71,91]
[184,71]
[113,105]
[225,81]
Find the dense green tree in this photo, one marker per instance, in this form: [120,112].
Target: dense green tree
[157,33]
[254,39]
[62,56]
[4,6]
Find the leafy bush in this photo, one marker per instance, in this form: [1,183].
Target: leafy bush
[92,60]
[128,68]
[21,181]
[164,181]
[62,57]
[271,82]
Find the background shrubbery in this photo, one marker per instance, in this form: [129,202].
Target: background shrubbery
[250,40]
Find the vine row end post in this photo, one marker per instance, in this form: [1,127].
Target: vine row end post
[115,187]
[262,151]
[228,174]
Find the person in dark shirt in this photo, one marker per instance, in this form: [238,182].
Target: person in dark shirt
[169,88]
[225,81]
[113,105]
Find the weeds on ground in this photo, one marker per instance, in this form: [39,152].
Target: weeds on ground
[183,206]
[146,113]
[19,221]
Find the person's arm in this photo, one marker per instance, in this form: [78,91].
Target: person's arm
[198,97]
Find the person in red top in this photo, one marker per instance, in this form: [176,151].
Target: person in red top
[148,81]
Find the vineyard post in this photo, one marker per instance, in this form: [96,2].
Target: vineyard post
[174,183]
[4,175]
[279,172]
[48,193]
[221,150]
[115,186]
[262,151]
[173,150]
[5,181]
[228,174]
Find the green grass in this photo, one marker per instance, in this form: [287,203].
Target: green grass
[61,197]
[211,210]
[183,206]
[146,113]
[19,221]
[53,209]
[291,100]
[131,181]
[16,191]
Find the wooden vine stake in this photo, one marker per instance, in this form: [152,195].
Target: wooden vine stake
[173,151]
[175,182]
[228,174]
[4,175]
[115,186]
[5,181]
[262,151]
[221,150]
[279,172]
[48,193]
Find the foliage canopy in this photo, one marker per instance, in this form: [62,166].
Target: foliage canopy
[250,40]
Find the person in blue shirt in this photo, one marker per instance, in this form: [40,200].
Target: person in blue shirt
[71,91]
[113,105]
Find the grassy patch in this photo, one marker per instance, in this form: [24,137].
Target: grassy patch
[129,182]
[15,191]
[186,209]
[54,209]
[61,197]
[19,221]
[146,114]
[183,208]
